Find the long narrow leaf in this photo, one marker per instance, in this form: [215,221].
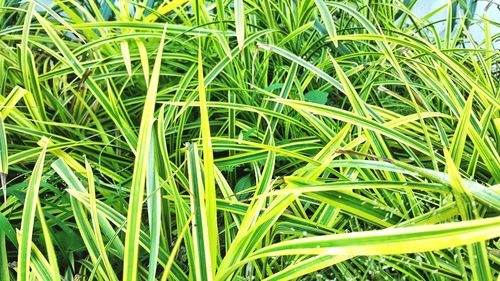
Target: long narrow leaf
[28,219]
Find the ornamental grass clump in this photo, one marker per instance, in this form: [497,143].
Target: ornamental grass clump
[247,140]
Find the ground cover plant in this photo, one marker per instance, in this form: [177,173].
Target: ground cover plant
[247,140]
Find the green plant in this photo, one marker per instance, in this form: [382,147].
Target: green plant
[266,140]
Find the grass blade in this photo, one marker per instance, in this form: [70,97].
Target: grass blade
[172,5]
[389,241]
[208,169]
[95,224]
[28,219]
[49,246]
[139,175]
[201,229]
[328,20]
[4,158]
[239,21]
[478,255]
[153,190]
[68,55]
[4,262]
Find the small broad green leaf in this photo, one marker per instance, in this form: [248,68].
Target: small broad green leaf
[316,96]
[243,183]
[274,86]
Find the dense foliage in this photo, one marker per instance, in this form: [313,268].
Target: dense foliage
[247,140]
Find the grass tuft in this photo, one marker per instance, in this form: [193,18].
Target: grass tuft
[248,140]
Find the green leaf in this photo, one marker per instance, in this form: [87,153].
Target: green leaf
[28,219]
[327,19]
[239,18]
[208,169]
[154,209]
[4,261]
[139,174]
[243,183]
[68,55]
[200,226]
[4,158]
[316,96]
[388,241]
